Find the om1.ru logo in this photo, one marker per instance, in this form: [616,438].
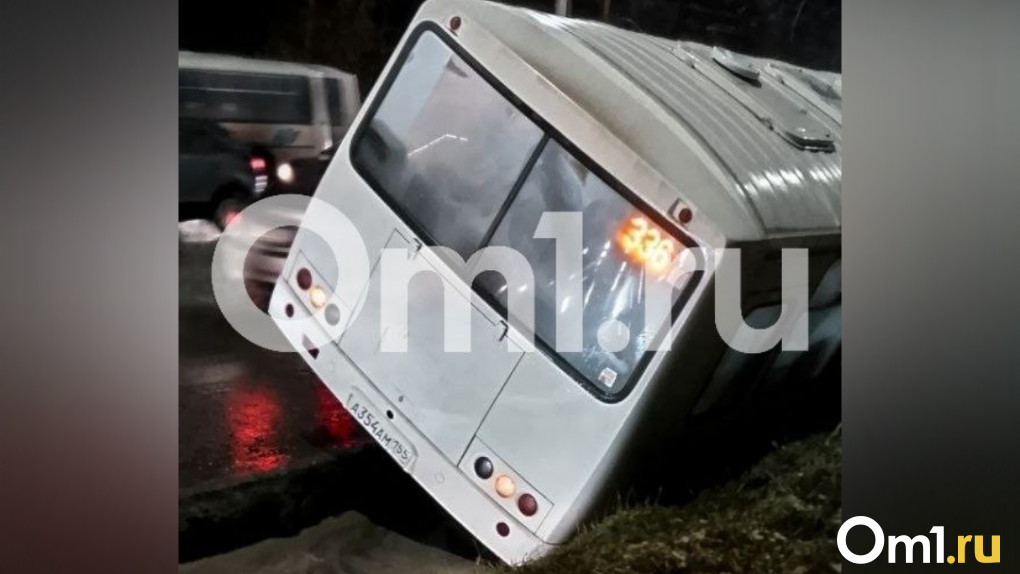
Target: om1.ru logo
[909,543]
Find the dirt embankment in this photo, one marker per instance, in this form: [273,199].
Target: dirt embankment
[781,516]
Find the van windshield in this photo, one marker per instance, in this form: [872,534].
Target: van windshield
[445,147]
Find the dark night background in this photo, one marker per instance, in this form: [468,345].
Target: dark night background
[359,35]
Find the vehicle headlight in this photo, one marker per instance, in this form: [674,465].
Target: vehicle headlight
[285,173]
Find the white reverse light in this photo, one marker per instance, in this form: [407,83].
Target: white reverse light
[317,297]
[285,173]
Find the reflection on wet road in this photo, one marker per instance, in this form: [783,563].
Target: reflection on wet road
[254,416]
[244,410]
[265,451]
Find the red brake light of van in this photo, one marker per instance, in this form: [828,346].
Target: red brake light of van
[257,164]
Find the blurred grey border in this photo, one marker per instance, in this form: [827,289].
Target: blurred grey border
[88,375]
[88,390]
[931,371]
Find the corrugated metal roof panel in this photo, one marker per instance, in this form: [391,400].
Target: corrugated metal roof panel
[729,148]
[790,189]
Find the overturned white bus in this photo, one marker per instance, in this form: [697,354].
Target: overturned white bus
[488,117]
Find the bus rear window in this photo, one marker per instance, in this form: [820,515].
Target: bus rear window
[444,148]
[616,333]
[467,169]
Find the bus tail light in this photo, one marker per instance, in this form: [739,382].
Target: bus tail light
[304,278]
[317,297]
[500,483]
[527,504]
[483,467]
[505,486]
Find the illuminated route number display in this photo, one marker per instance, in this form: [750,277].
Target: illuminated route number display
[645,244]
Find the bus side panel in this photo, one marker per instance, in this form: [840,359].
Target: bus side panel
[551,431]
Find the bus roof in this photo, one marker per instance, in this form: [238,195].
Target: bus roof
[767,132]
[224,62]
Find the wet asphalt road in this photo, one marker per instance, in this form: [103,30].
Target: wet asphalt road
[244,411]
[265,450]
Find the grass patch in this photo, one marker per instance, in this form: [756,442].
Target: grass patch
[781,516]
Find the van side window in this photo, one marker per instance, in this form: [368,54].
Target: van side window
[242,97]
[196,137]
[444,148]
[187,138]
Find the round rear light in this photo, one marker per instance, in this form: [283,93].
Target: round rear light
[317,297]
[304,279]
[505,486]
[527,505]
[502,529]
[333,314]
[455,23]
[483,467]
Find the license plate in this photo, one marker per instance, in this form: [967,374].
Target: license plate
[368,416]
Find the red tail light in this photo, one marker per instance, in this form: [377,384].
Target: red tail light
[527,504]
[257,164]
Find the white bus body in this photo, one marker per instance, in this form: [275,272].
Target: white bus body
[284,110]
[488,115]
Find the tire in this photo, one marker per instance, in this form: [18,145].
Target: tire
[228,208]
